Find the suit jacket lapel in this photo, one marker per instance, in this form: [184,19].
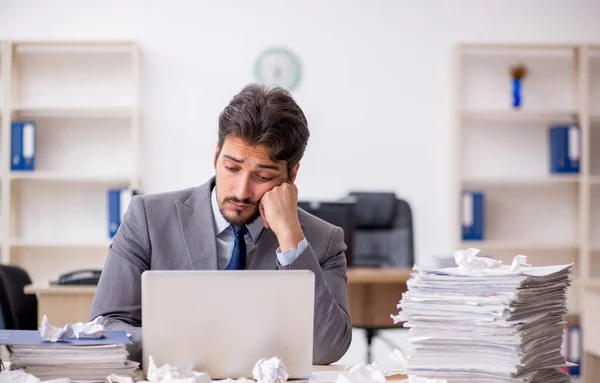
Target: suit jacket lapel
[195,218]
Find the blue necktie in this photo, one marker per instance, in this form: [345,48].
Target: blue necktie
[238,255]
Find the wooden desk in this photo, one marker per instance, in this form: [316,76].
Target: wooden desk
[373,294]
[139,375]
[63,304]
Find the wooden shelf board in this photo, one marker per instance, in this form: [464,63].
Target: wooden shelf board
[522,181]
[73,46]
[68,177]
[491,114]
[75,111]
[517,245]
[519,46]
[48,244]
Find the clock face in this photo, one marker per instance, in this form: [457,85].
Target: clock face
[278,66]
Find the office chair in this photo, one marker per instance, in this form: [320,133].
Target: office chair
[19,310]
[383,236]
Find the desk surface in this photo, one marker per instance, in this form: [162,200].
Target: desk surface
[356,275]
[391,379]
[375,275]
[60,290]
[336,367]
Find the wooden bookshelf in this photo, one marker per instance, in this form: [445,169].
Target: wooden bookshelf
[504,152]
[83,98]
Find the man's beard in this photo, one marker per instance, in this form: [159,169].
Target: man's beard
[236,218]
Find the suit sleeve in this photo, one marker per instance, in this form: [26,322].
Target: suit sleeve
[118,295]
[332,326]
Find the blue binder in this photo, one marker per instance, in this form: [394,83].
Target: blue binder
[33,337]
[565,153]
[22,145]
[473,215]
[118,202]
[574,349]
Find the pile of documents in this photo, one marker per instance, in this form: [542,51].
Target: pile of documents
[85,359]
[482,321]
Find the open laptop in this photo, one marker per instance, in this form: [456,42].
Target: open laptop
[224,322]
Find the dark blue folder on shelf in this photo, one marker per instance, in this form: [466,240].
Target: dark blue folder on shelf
[473,215]
[33,337]
[118,202]
[22,145]
[564,148]
[574,349]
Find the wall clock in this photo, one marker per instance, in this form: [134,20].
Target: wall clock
[278,66]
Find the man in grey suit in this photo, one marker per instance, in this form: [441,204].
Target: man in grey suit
[245,217]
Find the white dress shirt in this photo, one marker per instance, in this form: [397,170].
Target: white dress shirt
[225,238]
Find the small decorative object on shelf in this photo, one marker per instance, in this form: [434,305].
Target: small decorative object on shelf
[518,73]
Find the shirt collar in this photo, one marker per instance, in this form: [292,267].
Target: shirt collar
[221,224]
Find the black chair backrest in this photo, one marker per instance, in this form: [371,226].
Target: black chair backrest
[19,310]
[338,213]
[383,230]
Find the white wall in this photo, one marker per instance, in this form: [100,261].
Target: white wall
[376,86]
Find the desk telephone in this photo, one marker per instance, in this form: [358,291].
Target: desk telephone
[88,277]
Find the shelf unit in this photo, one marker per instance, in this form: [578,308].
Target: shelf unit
[83,98]
[504,152]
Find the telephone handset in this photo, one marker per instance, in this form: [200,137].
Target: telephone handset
[79,277]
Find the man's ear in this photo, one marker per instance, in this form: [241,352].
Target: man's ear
[294,172]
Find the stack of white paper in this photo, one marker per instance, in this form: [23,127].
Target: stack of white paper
[78,359]
[78,363]
[486,322]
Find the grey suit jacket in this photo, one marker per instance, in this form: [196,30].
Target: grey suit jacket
[175,231]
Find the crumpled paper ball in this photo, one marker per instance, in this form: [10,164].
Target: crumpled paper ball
[114,378]
[94,329]
[54,334]
[469,261]
[270,371]
[17,376]
[167,373]
[362,373]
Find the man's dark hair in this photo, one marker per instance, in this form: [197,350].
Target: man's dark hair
[262,115]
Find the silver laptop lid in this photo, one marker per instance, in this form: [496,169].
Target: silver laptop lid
[223,322]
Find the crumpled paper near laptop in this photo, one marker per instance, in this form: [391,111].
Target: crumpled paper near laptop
[94,329]
[270,370]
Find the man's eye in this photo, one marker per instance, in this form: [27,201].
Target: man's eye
[266,179]
[229,168]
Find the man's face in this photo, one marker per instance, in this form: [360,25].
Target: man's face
[243,174]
